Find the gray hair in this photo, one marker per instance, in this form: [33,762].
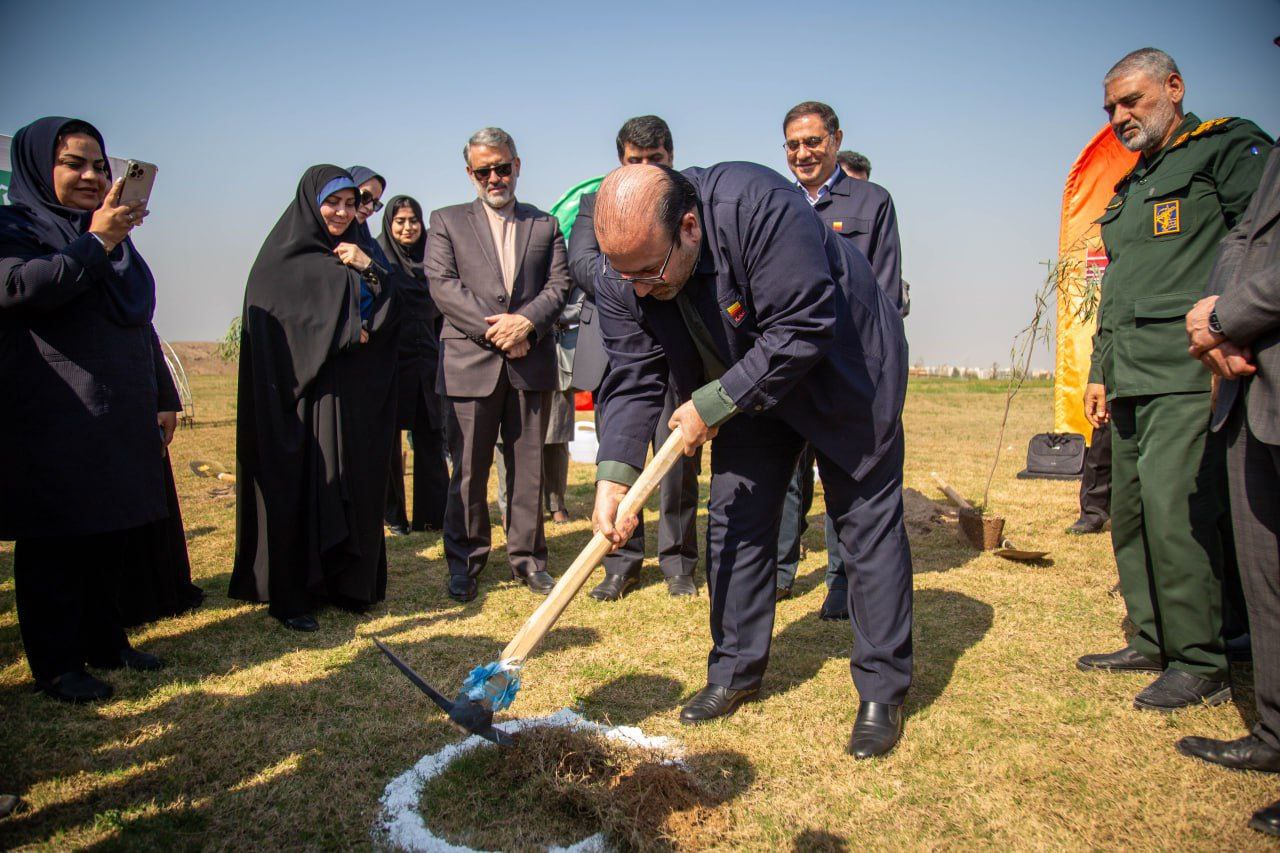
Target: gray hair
[490,137]
[1153,61]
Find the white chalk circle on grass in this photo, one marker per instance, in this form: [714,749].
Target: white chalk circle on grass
[401,826]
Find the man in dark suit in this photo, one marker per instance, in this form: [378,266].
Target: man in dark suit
[721,282]
[498,274]
[863,214]
[644,140]
[1235,331]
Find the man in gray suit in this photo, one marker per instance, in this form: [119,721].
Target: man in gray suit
[646,140]
[498,274]
[1235,331]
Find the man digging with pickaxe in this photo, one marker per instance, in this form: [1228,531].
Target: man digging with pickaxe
[775,333]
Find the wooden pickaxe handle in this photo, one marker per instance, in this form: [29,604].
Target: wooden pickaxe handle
[548,612]
[951,493]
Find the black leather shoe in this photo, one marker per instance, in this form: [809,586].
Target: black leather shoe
[1246,753]
[835,607]
[76,687]
[1267,820]
[398,529]
[539,582]
[681,585]
[1240,649]
[192,597]
[462,588]
[1125,660]
[782,593]
[128,657]
[305,622]
[714,701]
[876,730]
[1086,526]
[613,587]
[1177,688]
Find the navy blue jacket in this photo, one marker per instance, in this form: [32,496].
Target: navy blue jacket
[813,340]
[80,452]
[863,213]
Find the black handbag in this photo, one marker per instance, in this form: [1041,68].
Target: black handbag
[1054,456]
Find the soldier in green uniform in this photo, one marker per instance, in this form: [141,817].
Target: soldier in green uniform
[1192,182]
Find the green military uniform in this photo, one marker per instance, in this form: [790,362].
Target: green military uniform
[1168,472]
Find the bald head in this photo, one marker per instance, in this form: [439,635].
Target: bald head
[636,201]
[647,226]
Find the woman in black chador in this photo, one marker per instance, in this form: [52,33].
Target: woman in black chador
[404,240]
[315,413]
[88,403]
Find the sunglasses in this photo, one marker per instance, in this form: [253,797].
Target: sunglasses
[612,275]
[366,199]
[503,170]
[809,142]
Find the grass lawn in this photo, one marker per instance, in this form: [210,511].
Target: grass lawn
[257,737]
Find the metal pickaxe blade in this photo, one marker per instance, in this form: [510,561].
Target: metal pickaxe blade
[465,714]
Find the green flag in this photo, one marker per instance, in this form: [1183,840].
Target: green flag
[566,209]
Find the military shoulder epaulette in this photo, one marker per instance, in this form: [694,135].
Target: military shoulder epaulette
[1201,129]
[1122,180]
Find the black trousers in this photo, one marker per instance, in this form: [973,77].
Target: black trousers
[1253,474]
[752,463]
[67,614]
[677,514]
[430,477]
[1095,480]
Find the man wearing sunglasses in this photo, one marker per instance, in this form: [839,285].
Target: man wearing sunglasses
[643,139]
[498,274]
[722,282]
[862,214]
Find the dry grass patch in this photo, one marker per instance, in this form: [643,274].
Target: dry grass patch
[257,737]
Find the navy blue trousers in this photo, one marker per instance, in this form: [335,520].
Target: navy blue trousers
[752,463]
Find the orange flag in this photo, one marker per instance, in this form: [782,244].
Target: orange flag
[1081,262]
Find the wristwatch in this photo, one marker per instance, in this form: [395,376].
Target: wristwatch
[1214,325]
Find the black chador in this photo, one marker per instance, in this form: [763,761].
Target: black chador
[315,417]
[419,407]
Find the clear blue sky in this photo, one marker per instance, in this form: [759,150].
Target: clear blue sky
[971,113]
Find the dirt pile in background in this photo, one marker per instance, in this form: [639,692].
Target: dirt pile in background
[922,514]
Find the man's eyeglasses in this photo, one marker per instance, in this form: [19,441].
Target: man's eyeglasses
[809,142]
[503,170]
[367,200]
[655,280]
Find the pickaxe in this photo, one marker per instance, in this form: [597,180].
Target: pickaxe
[493,687]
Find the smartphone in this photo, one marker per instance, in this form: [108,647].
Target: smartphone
[139,178]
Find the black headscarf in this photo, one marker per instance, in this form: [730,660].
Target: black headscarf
[35,224]
[411,259]
[301,302]
[361,175]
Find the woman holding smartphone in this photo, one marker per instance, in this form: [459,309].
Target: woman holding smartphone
[315,413]
[89,403]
